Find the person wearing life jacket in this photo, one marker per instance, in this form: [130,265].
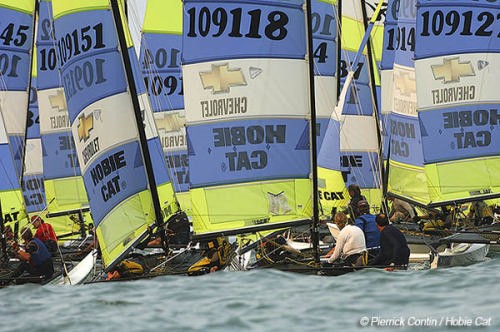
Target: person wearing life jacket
[45,233]
[127,268]
[218,254]
[36,258]
[366,221]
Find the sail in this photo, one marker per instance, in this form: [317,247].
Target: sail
[16,38]
[160,60]
[391,35]
[247,111]
[359,142]
[457,62]
[167,196]
[106,123]
[406,171]
[65,193]
[331,187]
[32,180]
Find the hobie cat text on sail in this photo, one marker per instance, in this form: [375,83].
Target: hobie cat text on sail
[105,168]
[235,136]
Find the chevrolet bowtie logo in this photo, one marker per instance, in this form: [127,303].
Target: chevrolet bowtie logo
[404,83]
[85,125]
[221,78]
[58,101]
[452,69]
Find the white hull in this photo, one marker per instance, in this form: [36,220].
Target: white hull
[80,272]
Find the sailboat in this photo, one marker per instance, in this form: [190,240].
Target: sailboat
[160,60]
[422,168]
[67,201]
[117,145]
[15,83]
[248,137]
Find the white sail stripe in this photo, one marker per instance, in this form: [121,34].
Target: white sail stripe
[117,117]
[33,162]
[171,129]
[14,105]
[240,91]
[457,79]
[358,133]
[387,85]
[53,111]
[3,132]
[325,88]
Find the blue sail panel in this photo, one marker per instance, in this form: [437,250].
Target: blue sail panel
[17,36]
[248,31]
[358,100]
[161,68]
[463,26]
[461,132]
[329,155]
[324,30]
[251,150]
[112,177]
[406,145]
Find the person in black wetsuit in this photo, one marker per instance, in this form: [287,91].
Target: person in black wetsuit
[393,246]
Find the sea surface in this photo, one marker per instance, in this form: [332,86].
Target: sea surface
[459,298]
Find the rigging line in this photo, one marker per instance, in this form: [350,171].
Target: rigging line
[350,74]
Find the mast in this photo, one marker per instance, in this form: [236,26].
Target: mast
[138,116]
[2,232]
[382,174]
[314,154]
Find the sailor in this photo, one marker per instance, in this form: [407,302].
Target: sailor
[480,213]
[350,244]
[36,258]
[45,233]
[355,193]
[401,211]
[393,246]
[366,222]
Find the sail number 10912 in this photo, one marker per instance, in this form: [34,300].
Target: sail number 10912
[452,22]
[219,21]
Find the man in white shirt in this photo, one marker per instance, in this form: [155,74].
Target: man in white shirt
[350,244]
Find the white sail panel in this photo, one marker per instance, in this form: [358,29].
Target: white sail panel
[233,89]
[457,79]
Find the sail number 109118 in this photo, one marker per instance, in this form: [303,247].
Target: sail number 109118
[219,21]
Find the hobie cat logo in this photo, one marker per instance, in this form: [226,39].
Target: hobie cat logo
[85,125]
[221,78]
[58,102]
[452,70]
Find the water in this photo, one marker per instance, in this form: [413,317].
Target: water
[264,300]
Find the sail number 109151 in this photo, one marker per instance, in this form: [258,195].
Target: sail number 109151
[218,22]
